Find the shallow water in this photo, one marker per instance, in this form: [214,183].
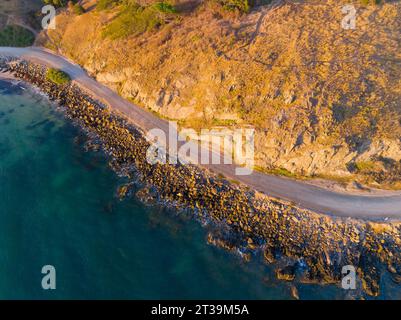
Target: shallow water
[58,207]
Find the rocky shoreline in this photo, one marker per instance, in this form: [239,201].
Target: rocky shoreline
[303,245]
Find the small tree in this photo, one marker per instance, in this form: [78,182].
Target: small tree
[57,76]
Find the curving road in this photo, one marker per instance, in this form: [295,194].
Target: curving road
[304,195]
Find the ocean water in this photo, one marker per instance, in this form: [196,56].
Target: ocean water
[58,207]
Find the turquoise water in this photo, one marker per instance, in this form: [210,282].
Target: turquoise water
[58,207]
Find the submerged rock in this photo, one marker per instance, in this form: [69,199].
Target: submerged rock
[122,192]
[287,273]
[294,292]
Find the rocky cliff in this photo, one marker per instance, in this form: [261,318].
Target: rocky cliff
[325,101]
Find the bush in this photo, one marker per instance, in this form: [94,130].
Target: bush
[232,5]
[165,7]
[365,166]
[16,36]
[56,3]
[57,76]
[106,4]
[78,9]
[135,19]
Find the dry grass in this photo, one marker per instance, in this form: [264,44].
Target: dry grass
[307,85]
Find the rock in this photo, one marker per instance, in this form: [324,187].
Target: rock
[269,257]
[145,196]
[287,273]
[371,286]
[294,292]
[391,269]
[289,97]
[122,192]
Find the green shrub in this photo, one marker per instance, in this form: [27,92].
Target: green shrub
[283,172]
[78,9]
[16,36]
[57,76]
[134,19]
[232,5]
[56,3]
[106,4]
[365,166]
[165,7]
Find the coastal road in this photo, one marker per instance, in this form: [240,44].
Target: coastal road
[307,196]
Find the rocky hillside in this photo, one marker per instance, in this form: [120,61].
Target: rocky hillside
[325,101]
